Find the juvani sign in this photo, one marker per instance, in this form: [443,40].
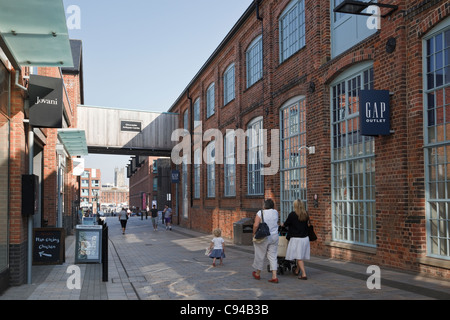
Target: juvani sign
[374,112]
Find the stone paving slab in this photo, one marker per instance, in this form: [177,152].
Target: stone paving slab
[171,265]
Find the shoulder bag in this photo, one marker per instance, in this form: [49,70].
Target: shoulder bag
[263,229]
[311,234]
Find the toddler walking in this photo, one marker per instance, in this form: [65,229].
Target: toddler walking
[218,247]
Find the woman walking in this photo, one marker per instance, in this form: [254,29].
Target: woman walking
[268,247]
[123,218]
[298,247]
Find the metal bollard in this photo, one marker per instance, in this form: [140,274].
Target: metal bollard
[105,253]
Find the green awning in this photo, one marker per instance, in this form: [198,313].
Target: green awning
[74,140]
[35,32]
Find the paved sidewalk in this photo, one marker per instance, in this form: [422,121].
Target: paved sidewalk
[171,265]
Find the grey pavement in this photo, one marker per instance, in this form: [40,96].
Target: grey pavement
[171,265]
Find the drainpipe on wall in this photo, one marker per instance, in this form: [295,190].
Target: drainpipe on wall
[191,124]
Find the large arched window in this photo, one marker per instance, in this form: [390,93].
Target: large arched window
[293,161]
[436,53]
[352,160]
[254,56]
[254,157]
[228,84]
[292,29]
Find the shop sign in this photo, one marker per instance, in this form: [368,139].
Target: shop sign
[175,176]
[374,113]
[130,126]
[46,102]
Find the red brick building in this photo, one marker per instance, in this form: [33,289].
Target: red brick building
[296,67]
[90,189]
[51,156]
[149,182]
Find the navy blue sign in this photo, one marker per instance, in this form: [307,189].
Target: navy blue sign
[175,176]
[374,112]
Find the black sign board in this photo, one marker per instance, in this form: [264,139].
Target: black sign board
[48,246]
[374,112]
[130,126]
[46,102]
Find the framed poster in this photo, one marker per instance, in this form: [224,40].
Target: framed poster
[48,246]
[88,246]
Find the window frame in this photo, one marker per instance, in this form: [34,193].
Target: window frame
[289,45]
[436,150]
[197,113]
[197,173]
[211,170]
[293,135]
[210,100]
[255,179]
[230,164]
[229,83]
[353,205]
[254,50]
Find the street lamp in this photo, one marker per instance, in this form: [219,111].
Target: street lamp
[357,7]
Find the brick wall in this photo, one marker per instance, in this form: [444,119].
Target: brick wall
[400,190]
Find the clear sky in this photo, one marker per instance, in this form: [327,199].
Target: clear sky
[141,54]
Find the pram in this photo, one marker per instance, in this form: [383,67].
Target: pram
[283,264]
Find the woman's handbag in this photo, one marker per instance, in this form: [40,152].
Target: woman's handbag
[263,229]
[311,234]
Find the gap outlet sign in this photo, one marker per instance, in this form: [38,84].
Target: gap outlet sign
[46,102]
[374,113]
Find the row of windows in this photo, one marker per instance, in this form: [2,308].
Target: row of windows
[353,164]
[353,156]
[292,39]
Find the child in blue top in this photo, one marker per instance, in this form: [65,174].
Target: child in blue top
[218,247]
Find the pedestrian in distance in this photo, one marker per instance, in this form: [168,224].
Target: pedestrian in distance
[154,213]
[168,217]
[268,247]
[123,218]
[299,246]
[217,247]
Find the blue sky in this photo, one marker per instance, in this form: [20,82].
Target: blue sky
[141,54]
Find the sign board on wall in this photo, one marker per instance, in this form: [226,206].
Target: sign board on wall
[374,113]
[130,126]
[46,102]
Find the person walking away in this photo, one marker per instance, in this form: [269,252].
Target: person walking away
[147,210]
[123,218]
[168,217]
[268,247]
[299,246]
[154,213]
[218,247]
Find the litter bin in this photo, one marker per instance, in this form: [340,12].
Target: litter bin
[243,231]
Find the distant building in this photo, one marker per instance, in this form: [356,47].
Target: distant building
[149,182]
[119,178]
[90,187]
[112,197]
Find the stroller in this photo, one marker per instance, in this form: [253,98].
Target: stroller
[283,264]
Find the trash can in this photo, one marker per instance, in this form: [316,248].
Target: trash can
[243,231]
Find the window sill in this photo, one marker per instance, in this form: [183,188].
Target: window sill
[353,247]
[434,262]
